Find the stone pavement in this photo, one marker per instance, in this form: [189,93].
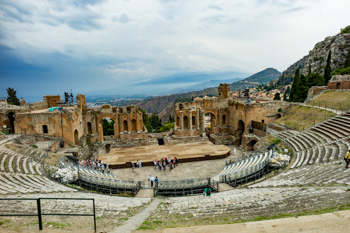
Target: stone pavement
[201,169]
[136,221]
[331,222]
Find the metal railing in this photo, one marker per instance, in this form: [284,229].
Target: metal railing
[246,172]
[40,214]
[99,181]
[183,187]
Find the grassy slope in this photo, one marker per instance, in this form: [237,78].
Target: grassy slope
[300,117]
[333,99]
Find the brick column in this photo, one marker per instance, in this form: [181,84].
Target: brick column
[129,124]
[203,123]
[182,120]
[197,111]
[190,120]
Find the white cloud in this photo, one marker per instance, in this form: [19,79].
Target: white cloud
[138,39]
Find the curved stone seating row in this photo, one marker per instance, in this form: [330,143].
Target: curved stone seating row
[105,205]
[244,167]
[20,183]
[326,152]
[307,175]
[253,202]
[325,142]
[13,162]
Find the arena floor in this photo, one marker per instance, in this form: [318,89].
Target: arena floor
[199,169]
[194,151]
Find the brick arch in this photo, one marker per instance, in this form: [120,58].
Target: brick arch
[99,128]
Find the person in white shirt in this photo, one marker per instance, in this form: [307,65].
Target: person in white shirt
[152,180]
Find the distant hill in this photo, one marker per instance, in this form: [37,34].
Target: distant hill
[163,105]
[204,85]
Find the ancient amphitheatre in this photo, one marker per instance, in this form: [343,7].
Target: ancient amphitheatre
[246,186]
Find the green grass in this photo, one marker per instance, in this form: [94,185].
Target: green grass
[333,99]
[301,117]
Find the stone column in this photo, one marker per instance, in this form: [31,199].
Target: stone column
[137,121]
[182,120]
[116,126]
[190,120]
[121,123]
[175,126]
[203,123]
[197,111]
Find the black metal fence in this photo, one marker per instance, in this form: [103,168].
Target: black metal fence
[185,187]
[40,214]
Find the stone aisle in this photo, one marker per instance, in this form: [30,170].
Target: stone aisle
[136,221]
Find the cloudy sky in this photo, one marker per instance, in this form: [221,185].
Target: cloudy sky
[125,46]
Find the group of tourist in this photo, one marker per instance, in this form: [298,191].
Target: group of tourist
[94,164]
[164,162]
[137,164]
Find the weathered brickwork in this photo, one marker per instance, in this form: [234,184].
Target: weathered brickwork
[76,123]
[227,117]
[339,82]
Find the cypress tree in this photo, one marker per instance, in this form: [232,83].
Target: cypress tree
[328,71]
[293,92]
[303,88]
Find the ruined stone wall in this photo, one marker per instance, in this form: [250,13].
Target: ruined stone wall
[260,112]
[339,82]
[33,123]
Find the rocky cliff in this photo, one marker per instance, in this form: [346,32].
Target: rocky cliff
[287,76]
[339,46]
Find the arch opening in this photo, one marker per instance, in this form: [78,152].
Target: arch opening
[193,121]
[108,126]
[125,125]
[181,106]
[133,125]
[251,144]
[240,131]
[76,137]
[177,121]
[89,128]
[209,122]
[45,130]
[338,85]
[224,119]
[186,125]
[11,122]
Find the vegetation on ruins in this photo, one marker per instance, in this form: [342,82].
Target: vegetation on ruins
[12,96]
[345,30]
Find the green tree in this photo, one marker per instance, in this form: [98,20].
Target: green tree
[155,122]
[328,71]
[288,90]
[294,91]
[277,96]
[12,96]
[166,127]
[108,127]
